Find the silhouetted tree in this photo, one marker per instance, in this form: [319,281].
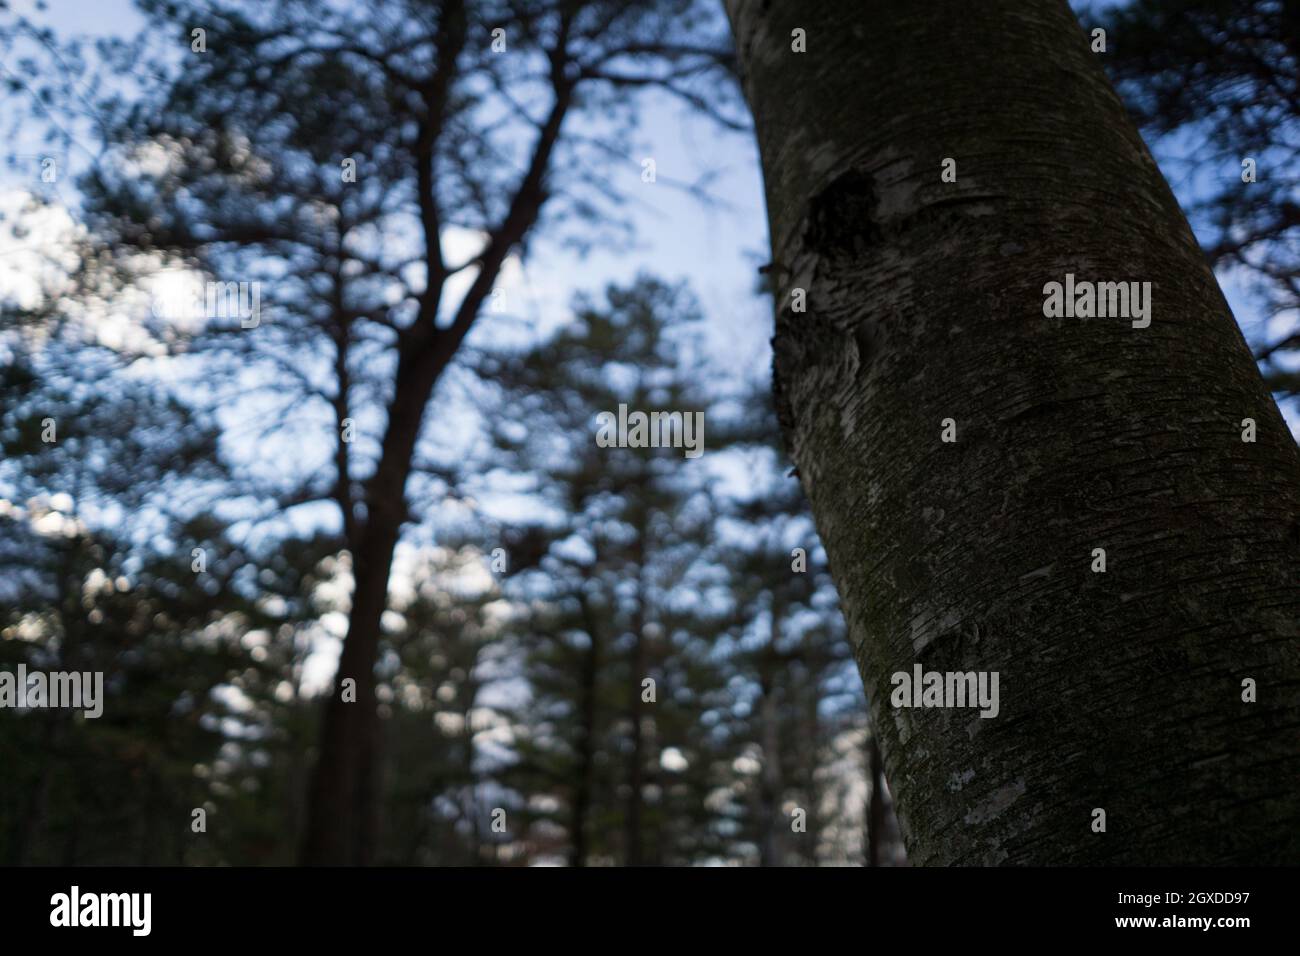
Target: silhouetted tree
[334,157]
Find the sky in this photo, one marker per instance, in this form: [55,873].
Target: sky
[715,247]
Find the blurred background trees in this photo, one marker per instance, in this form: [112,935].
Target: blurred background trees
[193,528]
[373,171]
[1215,85]
[638,660]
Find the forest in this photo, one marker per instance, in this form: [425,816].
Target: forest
[649,433]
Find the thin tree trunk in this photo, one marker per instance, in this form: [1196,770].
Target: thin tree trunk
[771,848]
[584,784]
[470,804]
[342,822]
[876,805]
[633,837]
[1119,691]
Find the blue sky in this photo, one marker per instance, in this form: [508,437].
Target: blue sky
[715,247]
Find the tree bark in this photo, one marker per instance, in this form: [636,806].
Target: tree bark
[1119,690]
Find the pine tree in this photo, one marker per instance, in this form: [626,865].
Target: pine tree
[615,644]
[1222,82]
[331,158]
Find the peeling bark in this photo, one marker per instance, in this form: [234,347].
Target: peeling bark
[1119,690]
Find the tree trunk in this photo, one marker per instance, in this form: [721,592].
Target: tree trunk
[634,840]
[1120,690]
[770,782]
[343,812]
[585,746]
[772,845]
[342,821]
[875,805]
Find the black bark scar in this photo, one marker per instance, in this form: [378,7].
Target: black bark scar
[842,218]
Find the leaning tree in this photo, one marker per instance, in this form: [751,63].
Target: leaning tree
[1102,513]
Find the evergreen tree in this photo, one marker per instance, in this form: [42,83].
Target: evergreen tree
[331,161]
[616,642]
[1219,83]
